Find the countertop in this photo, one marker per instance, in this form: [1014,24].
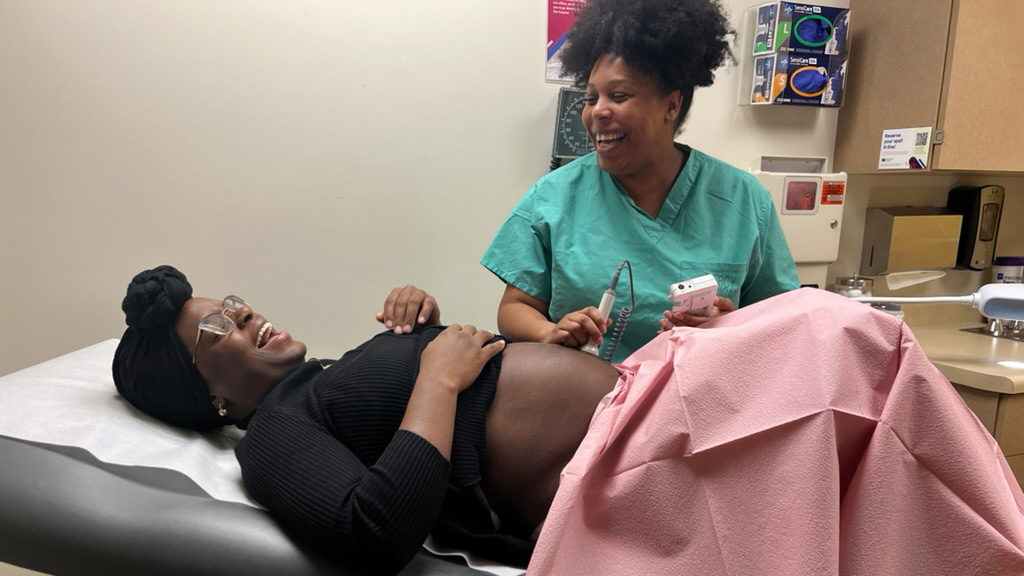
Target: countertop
[972,359]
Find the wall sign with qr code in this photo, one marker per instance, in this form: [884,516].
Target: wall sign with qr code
[905,148]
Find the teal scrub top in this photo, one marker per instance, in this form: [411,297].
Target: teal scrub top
[567,235]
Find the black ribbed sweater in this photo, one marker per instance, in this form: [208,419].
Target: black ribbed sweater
[324,454]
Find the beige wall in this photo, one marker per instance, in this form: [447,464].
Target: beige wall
[305,154]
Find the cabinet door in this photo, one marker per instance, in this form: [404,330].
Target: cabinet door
[897,60]
[982,108]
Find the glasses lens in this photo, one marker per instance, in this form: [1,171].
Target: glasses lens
[217,323]
[233,303]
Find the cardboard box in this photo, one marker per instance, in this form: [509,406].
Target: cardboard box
[800,54]
[765,28]
[806,29]
[784,78]
[909,238]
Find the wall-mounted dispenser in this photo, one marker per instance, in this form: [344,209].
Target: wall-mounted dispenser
[981,208]
[809,202]
[797,56]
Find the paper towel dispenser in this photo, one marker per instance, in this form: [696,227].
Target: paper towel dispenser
[909,238]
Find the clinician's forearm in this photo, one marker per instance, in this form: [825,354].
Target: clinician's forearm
[521,322]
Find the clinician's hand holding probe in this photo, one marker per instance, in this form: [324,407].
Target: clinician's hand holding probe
[576,328]
[671,320]
[407,307]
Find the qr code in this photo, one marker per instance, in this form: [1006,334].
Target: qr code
[922,139]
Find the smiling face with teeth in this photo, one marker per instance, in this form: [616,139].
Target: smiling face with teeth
[631,120]
[242,366]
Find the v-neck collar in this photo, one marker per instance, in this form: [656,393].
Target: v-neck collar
[676,195]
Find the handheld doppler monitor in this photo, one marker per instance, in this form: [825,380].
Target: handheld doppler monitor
[695,296]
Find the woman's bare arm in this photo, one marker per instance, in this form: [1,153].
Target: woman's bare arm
[523,318]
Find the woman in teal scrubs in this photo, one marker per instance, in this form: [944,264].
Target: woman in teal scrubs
[672,211]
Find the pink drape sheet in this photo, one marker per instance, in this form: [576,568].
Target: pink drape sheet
[806,434]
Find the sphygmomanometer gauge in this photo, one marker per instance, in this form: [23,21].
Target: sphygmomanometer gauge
[571,138]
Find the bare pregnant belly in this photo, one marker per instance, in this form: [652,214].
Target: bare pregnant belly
[545,398]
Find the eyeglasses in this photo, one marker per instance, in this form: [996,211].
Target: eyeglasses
[219,323]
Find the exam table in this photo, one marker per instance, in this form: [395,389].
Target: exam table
[89,485]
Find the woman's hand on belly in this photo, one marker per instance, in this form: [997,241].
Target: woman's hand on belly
[456,357]
[448,365]
[407,307]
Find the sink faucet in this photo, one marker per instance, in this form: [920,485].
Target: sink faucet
[1000,327]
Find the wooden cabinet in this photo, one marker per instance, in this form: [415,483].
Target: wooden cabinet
[954,65]
[1003,416]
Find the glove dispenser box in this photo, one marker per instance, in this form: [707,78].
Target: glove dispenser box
[909,238]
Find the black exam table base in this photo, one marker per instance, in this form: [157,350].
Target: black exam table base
[62,511]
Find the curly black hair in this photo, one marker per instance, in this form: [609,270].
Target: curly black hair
[678,43]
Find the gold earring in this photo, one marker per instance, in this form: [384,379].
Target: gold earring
[221,410]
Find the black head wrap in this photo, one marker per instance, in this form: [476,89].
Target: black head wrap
[152,367]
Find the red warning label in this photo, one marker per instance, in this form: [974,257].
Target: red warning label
[832,192]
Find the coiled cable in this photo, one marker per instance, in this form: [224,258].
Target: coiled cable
[613,341]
